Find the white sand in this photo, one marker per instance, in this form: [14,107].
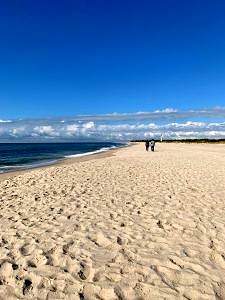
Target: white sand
[135,225]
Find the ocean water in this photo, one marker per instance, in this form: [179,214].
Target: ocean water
[30,155]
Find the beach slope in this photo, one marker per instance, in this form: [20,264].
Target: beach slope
[133,225]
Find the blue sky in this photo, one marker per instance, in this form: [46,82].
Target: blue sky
[66,58]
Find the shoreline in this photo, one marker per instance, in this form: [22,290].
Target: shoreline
[63,161]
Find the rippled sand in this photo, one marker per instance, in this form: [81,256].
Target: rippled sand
[135,225]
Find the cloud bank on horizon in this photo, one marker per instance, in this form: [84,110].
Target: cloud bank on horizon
[171,123]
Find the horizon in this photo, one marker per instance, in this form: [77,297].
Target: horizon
[197,140]
[97,70]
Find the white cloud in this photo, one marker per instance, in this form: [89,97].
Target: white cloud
[72,128]
[17,132]
[215,133]
[171,114]
[149,134]
[117,126]
[89,125]
[166,110]
[5,121]
[188,124]
[163,114]
[45,130]
[111,131]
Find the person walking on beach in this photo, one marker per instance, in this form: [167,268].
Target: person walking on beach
[152,144]
[147,145]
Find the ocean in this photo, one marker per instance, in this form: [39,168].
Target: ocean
[21,156]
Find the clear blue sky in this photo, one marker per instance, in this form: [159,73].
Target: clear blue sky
[73,57]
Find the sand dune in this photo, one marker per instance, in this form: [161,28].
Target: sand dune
[135,225]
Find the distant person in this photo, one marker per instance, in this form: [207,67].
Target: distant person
[152,144]
[147,145]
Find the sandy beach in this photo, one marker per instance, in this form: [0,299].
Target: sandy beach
[133,225]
